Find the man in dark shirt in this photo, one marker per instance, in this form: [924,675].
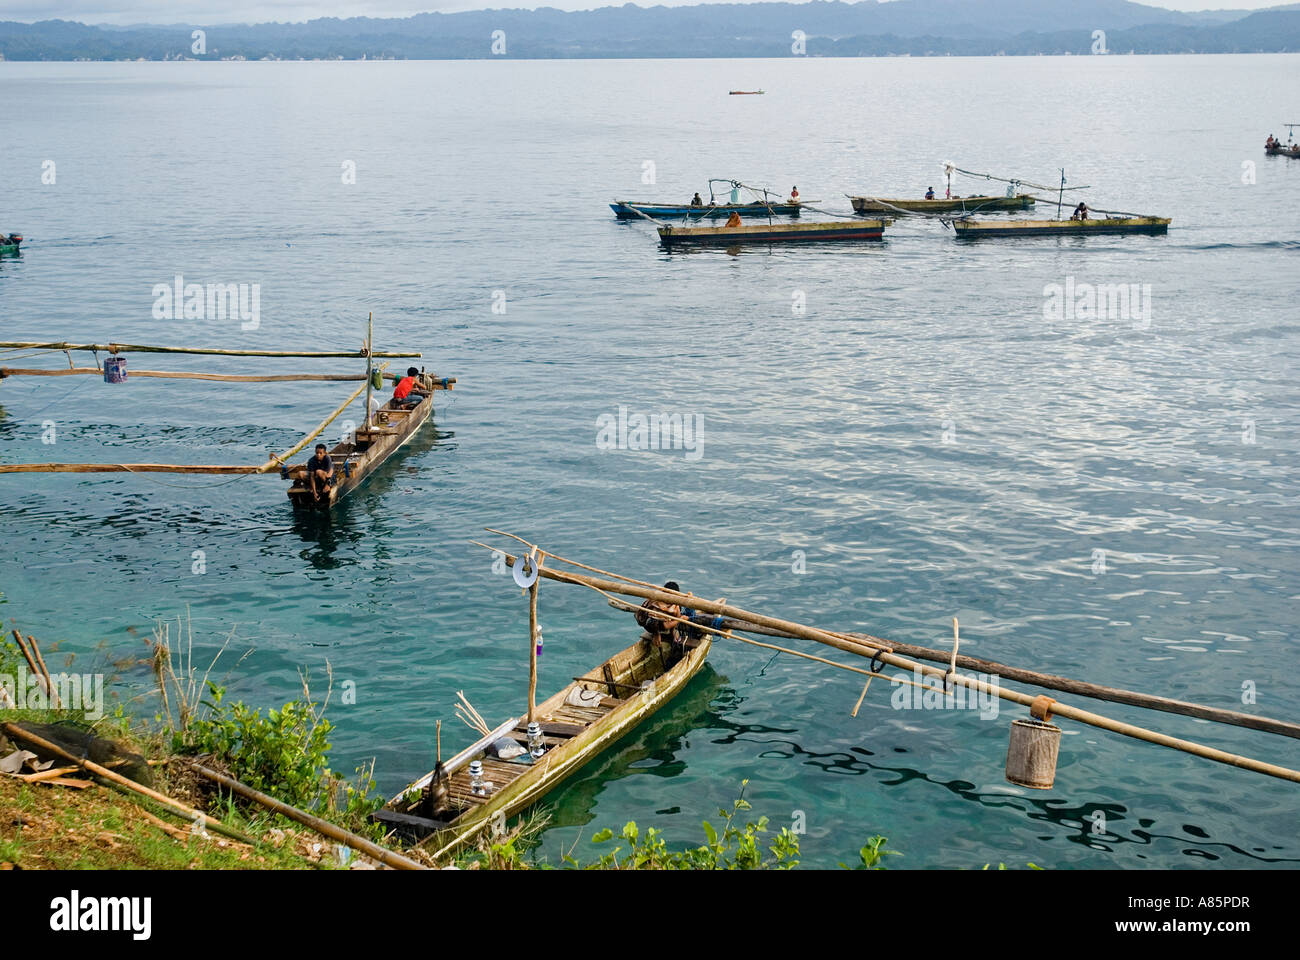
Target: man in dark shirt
[320,472]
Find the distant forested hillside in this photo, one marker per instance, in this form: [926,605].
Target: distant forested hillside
[831,29]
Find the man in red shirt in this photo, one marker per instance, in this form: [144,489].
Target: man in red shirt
[407,393]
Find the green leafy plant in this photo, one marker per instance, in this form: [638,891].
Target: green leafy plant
[871,856]
[731,848]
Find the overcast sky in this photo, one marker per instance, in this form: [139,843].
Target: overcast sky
[260,11]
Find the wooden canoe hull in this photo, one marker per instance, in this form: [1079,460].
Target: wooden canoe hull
[979,229]
[670,211]
[955,204]
[565,758]
[849,230]
[1282,151]
[352,465]
[9,248]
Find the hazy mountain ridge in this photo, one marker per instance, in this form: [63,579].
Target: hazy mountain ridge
[904,27]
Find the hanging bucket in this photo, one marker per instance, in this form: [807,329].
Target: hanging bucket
[115,370]
[1032,752]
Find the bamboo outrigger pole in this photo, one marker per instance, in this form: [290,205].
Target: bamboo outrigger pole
[1048,681]
[139,348]
[885,656]
[274,463]
[189,375]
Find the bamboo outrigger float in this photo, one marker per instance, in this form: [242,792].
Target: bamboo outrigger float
[382,433]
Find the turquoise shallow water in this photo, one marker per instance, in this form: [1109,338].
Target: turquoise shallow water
[930,442]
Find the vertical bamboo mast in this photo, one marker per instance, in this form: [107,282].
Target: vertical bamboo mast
[532,647]
[370,363]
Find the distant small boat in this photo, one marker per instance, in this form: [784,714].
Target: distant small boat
[745,93]
[10,243]
[979,229]
[1277,150]
[624,210]
[1021,201]
[775,233]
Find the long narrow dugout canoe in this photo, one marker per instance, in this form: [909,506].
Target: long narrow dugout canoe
[1022,201]
[849,230]
[625,211]
[979,229]
[1277,151]
[624,690]
[356,459]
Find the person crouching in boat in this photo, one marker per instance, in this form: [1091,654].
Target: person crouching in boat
[929,193]
[655,618]
[734,219]
[1080,212]
[794,194]
[407,393]
[320,472]
[696,201]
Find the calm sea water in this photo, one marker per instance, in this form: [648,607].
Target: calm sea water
[928,440]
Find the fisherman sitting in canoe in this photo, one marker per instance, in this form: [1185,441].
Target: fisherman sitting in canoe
[696,201]
[794,194]
[1080,212]
[734,219]
[655,618]
[929,193]
[407,393]
[320,472]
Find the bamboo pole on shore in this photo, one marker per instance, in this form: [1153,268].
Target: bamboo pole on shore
[18,733]
[196,351]
[387,857]
[220,377]
[883,654]
[1048,681]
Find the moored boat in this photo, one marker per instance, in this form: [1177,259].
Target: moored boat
[979,229]
[627,210]
[1021,201]
[848,230]
[576,724]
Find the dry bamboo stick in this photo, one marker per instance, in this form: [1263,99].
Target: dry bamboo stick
[117,779]
[323,827]
[55,702]
[221,377]
[31,663]
[801,631]
[138,348]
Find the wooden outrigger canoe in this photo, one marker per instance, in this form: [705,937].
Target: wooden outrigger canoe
[623,691]
[1021,201]
[370,446]
[1277,150]
[624,210]
[849,230]
[979,229]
